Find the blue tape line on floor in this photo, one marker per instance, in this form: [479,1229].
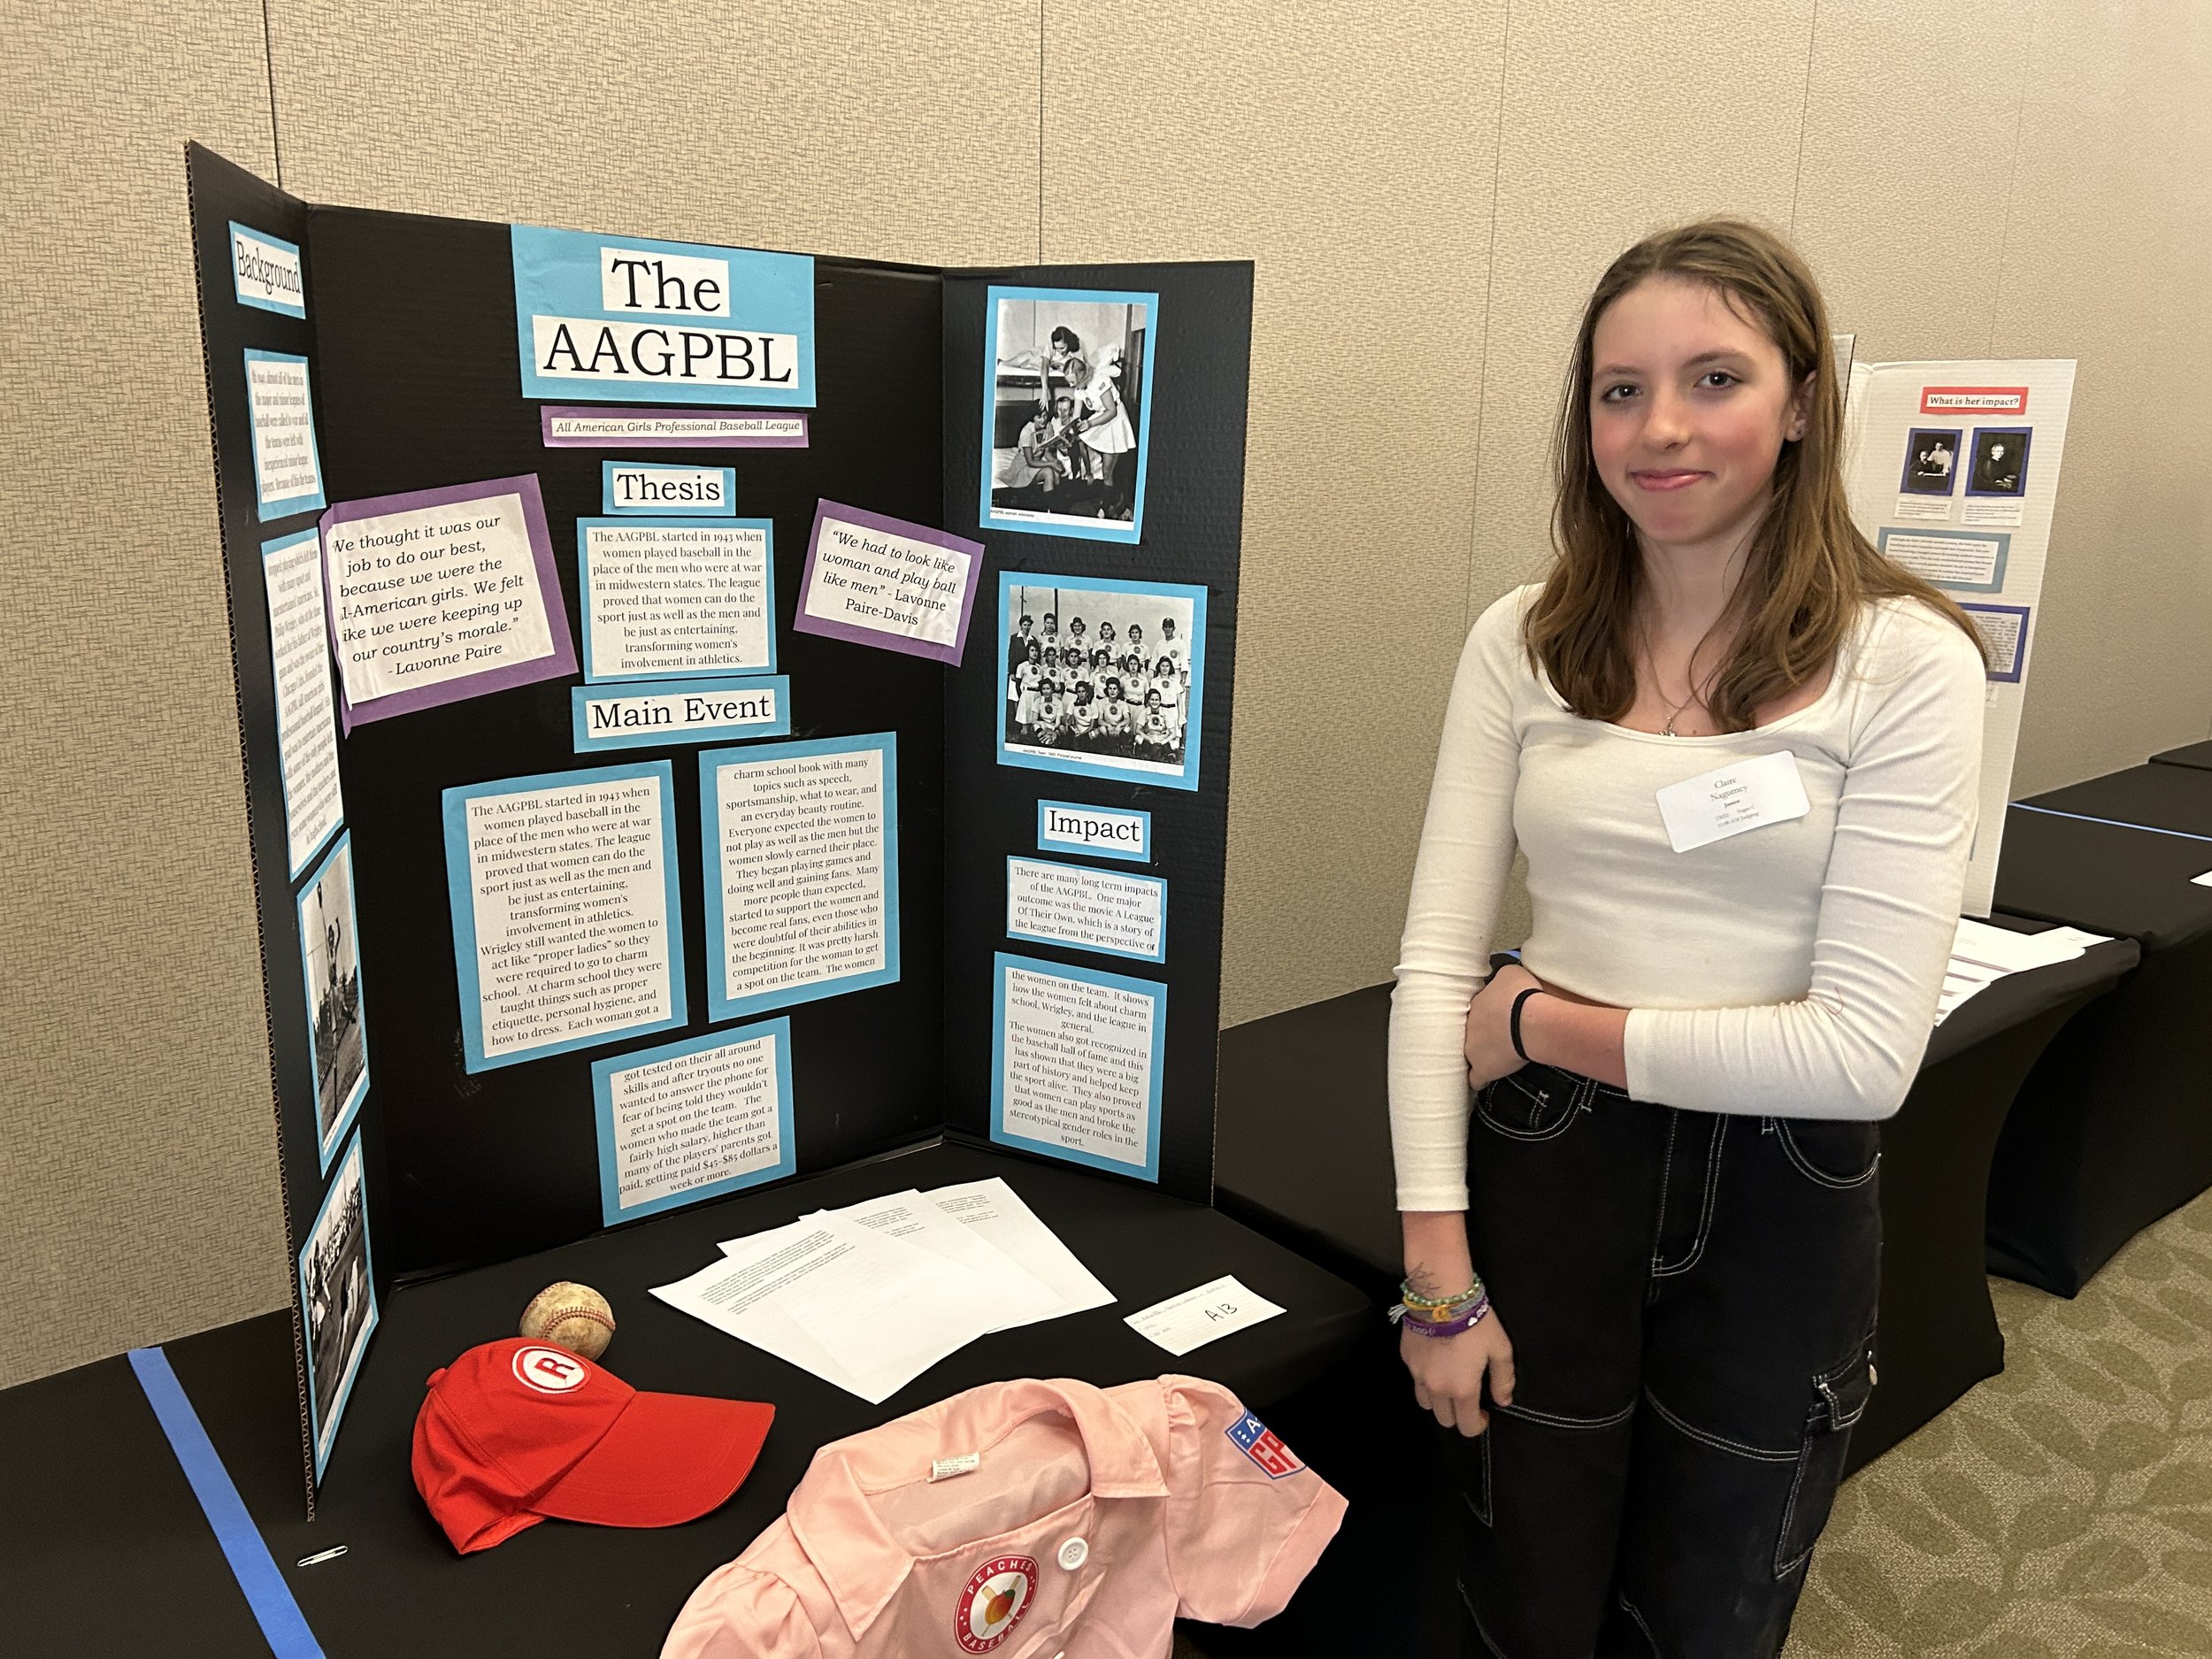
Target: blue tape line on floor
[2116,823]
[251,1563]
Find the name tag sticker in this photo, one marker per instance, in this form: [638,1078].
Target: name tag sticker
[1731,799]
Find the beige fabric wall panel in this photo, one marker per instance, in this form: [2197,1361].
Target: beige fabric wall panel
[137,1187]
[1346,150]
[1618,121]
[1904,196]
[1615,121]
[848,126]
[2108,261]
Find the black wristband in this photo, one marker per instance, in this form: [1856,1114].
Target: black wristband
[1513,1025]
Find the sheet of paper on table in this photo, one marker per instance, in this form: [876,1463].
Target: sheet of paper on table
[994,1211]
[1197,1316]
[1982,955]
[1017,1296]
[867,1312]
[871,1296]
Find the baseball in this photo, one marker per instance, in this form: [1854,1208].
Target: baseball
[573,1316]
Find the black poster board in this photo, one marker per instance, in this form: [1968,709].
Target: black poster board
[410,339]
[1192,534]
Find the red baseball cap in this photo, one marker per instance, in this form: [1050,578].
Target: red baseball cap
[518,1430]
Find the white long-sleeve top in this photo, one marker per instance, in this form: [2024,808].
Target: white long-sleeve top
[1790,969]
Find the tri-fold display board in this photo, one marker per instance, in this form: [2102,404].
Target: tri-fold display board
[711,715]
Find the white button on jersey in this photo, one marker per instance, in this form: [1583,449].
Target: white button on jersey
[1074,1553]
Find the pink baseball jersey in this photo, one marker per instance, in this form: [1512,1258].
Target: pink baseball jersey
[1031,1520]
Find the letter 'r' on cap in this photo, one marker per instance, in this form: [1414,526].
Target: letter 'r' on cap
[516,1431]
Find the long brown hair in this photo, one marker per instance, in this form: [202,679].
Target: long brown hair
[1808,571]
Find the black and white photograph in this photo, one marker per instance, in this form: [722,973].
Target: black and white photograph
[330,956]
[1065,413]
[337,1297]
[1931,462]
[1103,679]
[2000,461]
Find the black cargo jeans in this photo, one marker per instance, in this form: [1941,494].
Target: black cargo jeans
[1691,1302]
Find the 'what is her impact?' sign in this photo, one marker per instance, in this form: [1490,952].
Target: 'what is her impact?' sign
[661,322]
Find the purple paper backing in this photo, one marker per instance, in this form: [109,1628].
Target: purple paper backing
[802,622]
[547,412]
[559,665]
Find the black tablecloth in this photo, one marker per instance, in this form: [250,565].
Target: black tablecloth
[1303,1148]
[1304,1153]
[2105,878]
[2198,755]
[104,1549]
[2168,797]
[2112,1127]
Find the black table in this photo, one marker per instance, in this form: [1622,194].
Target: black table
[2198,755]
[2113,1128]
[1304,1153]
[2174,796]
[1939,1334]
[104,1549]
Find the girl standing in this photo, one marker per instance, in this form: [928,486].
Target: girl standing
[1166,683]
[1669,1186]
[1029,681]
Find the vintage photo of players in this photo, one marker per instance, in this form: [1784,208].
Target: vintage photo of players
[337,1298]
[330,957]
[1101,677]
[1067,411]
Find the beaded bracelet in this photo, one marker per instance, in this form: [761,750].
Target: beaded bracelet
[1474,1316]
[1411,1298]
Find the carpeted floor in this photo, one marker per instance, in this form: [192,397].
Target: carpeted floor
[2061,1511]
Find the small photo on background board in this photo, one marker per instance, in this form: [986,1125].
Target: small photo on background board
[337,1299]
[1102,679]
[330,957]
[2000,461]
[1931,462]
[1067,414]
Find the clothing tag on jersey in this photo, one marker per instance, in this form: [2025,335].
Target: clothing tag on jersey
[1731,799]
[1258,1442]
[946,1467]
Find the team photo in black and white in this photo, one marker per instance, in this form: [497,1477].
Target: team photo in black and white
[1103,678]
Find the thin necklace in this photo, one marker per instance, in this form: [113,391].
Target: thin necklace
[1651,657]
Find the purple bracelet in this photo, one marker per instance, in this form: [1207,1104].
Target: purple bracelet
[1466,1321]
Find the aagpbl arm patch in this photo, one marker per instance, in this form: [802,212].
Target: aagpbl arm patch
[1259,1443]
